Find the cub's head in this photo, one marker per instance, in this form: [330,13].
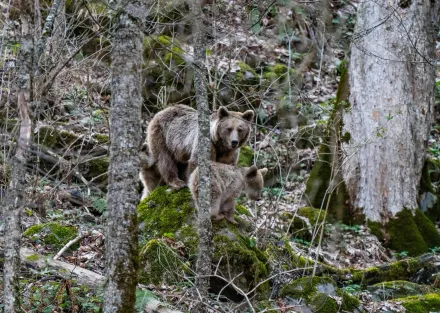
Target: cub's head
[231,129]
[254,181]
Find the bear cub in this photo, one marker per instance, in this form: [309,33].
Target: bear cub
[227,182]
[172,139]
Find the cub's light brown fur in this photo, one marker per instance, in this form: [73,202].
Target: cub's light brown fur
[172,139]
[227,182]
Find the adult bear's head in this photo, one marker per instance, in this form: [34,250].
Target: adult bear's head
[229,129]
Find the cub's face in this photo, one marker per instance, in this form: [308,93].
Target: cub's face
[232,128]
[254,182]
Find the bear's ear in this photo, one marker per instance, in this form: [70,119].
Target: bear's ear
[222,112]
[263,171]
[248,115]
[252,171]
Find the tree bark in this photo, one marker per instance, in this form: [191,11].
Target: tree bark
[391,79]
[204,249]
[15,192]
[125,133]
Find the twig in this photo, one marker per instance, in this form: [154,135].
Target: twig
[67,246]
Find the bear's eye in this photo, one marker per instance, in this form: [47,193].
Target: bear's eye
[230,129]
[240,129]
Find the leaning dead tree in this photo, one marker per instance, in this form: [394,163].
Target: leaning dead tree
[15,192]
[125,136]
[204,249]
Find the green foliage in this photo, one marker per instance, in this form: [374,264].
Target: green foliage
[52,234]
[99,204]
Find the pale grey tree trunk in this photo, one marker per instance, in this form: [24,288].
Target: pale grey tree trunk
[204,249]
[125,135]
[391,81]
[15,192]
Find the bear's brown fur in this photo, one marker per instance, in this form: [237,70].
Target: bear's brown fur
[227,182]
[172,139]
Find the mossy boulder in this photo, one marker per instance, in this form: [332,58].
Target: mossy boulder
[168,226]
[53,138]
[397,289]
[421,304]
[304,222]
[320,294]
[52,234]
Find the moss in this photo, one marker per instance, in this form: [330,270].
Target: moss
[47,136]
[400,270]
[162,45]
[10,124]
[349,302]
[165,211]
[376,229]
[32,258]
[427,229]
[430,203]
[404,234]
[52,234]
[246,156]
[98,167]
[346,137]
[322,303]
[101,138]
[189,237]
[236,255]
[54,138]
[306,287]
[246,74]
[161,264]
[300,228]
[421,304]
[397,289]
[241,209]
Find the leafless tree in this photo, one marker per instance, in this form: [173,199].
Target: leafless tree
[125,133]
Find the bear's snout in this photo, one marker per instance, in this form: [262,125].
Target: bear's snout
[234,143]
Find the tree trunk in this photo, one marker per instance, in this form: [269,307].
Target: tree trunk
[204,249]
[14,200]
[125,133]
[391,78]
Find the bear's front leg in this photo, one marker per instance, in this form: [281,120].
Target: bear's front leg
[228,210]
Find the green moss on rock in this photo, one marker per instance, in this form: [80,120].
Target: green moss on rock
[317,292]
[165,211]
[397,289]
[161,263]
[305,222]
[421,304]
[246,156]
[171,214]
[101,138]
[52,234]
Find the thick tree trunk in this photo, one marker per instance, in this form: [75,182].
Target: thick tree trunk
[204,249]
[14,200]
[125,136]
[391,79]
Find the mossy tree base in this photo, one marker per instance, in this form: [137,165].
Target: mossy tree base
[408,231]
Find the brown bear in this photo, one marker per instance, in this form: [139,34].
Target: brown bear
[172,139]
[227,182]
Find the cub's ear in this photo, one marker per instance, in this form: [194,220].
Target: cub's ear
[222,112]
[248,115]
[263,171]
[252,171]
